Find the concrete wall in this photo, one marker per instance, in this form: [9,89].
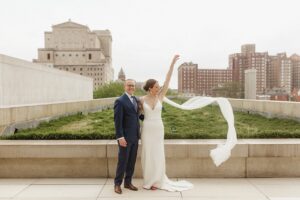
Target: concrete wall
[23,82]
[279,109]
[184,158]
[30,116]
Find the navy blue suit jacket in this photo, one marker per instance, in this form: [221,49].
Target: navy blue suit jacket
[126,119]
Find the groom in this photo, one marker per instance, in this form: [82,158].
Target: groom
[127,133]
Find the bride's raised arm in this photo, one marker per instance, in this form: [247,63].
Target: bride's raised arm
[165,87]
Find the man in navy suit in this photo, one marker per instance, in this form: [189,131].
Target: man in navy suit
[127,128]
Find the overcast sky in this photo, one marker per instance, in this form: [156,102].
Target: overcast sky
[146,33]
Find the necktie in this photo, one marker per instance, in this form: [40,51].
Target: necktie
[134,103]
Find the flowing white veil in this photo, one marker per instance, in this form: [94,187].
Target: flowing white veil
[223,151]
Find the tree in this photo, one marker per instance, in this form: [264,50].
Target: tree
[230,90]
[114,89]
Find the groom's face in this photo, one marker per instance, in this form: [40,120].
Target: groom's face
[129,86]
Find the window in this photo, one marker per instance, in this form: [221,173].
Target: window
[48,56]
[80,69]
[90,56]
[74,69]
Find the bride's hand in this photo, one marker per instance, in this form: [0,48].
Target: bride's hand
[175,58]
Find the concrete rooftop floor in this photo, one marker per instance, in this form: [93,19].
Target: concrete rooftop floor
[102,189]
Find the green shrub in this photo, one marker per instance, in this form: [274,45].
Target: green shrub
[205,123]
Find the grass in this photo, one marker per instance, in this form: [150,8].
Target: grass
[205,123]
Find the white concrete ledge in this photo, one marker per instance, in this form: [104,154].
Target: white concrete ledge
[267,108]
[184,158]
[29,116]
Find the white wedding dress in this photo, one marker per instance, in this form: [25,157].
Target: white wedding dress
[153,153]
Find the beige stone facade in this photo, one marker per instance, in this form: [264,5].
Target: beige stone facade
[75,48]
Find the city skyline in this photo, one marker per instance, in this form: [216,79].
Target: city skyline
[146,34]
[272,73]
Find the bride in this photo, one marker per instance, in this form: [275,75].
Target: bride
[152,137]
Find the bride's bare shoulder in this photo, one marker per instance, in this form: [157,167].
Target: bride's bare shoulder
[142,98]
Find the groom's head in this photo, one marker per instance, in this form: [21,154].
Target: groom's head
[129,86]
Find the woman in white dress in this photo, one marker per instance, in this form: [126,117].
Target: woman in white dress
[152,136]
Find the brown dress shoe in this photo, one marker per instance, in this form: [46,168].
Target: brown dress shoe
[130,187]
[118,189]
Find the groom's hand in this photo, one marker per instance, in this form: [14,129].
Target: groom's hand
[122,142]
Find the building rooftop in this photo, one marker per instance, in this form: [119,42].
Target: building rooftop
[102,189]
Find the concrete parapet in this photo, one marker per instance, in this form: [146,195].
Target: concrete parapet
[267,108]
[21,117]
[184,158]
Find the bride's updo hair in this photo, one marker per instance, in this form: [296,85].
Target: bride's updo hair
[149,84]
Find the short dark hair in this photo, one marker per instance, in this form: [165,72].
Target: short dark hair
[149,84]
[130,79]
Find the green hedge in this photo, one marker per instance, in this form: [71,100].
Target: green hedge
[205,123]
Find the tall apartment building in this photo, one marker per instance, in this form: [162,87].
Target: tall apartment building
[75,48]
[295,71]
[192,80]
[280,72]
[273,73]
[249,59]
[248,48]
[187,75]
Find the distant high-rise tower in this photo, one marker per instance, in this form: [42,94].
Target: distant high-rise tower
[75,48]
[248,48]
[248,59]
[296,71]
[280,72]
